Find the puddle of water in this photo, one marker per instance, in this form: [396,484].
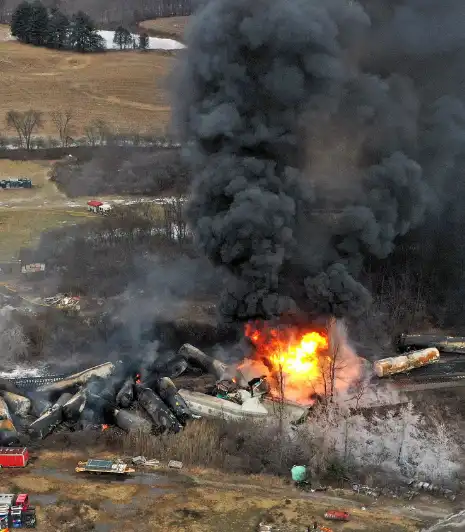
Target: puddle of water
[111,507]
[159,484]
[103,527]
[44,499]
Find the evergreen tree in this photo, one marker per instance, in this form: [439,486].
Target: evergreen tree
[38,28]
[20,22]
[122,38]
[143,42]
[58,29]
[83,35]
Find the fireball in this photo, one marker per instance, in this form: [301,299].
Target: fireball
[294,358]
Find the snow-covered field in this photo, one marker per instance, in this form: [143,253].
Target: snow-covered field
[155,43]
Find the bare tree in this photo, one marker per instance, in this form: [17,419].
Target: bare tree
[25,124]
[97,132]
[174,218]
[331,363]
[2,10]
[62,120]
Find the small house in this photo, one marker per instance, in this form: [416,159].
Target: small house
[105,208]
[94,205]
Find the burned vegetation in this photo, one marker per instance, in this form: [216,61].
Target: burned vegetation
[116,170]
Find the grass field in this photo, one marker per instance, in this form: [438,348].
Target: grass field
[4,33]
[127,90]
[166,27]
[23,227]
[43,189]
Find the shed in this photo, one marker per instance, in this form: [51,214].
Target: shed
[94,205]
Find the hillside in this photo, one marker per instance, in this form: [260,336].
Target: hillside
[124,89]
[173,27]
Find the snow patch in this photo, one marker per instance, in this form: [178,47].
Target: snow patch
[22,372]
[155,43]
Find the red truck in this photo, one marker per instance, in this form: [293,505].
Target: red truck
[14,456]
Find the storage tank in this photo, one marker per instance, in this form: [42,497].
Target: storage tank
[404,363]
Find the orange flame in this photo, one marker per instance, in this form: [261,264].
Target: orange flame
[105,427]
[138,378]
[290,355]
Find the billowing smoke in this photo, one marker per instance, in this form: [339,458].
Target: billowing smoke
[319,132]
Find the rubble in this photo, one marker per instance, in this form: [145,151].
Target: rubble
[142,461]
[208,364]
[64,302]
[445,344]
[169,394]
[128,421]
[366,490]
[174,464]
[48,421]
[160,414]
[8,432]
[149,402]
[18,404]
[208,405]
[125,396]
[418,486]
[102,370]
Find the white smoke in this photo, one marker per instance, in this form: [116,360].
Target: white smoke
[13,342]
[401,442]
[454,522]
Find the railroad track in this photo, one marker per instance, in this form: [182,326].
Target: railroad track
[414,384]
[406,384]
[31,383]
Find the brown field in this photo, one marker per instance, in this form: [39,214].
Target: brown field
[124,89]
[4,32]
[166,27]
[43,189]
[161,500]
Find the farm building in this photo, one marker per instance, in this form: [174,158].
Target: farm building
[93,205]
[98,207]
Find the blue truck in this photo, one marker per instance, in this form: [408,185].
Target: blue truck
[20,182]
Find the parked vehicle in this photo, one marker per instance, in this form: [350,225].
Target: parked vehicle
[337,515]
[21,182]
[104,466]
[15,512]
[13,457]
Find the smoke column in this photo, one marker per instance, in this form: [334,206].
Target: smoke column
[319,132]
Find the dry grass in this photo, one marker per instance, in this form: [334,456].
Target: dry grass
[22,228]
[124,89]
[38,171]
[4,33]
[166,27]
[171,502]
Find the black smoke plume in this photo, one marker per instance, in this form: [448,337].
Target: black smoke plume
[320,133]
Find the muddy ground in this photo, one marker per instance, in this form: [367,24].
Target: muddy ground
[198,500]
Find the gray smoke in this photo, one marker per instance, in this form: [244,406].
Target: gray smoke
[291,110]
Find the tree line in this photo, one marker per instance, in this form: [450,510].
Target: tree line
[27,124]
[33,23]
[108,13]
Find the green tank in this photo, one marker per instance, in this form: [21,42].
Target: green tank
[299,473]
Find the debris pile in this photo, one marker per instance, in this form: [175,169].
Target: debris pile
[110,395]
[64,302]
